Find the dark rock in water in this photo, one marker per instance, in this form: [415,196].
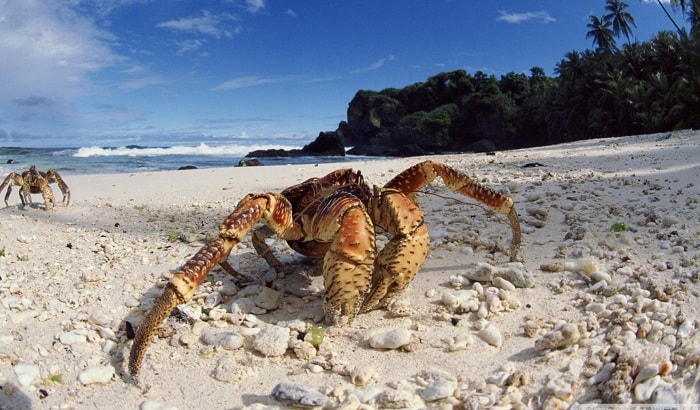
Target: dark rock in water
[326,144]
[187,167]
[10,161]
[254,162]
[299,396]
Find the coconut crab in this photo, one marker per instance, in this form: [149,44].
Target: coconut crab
[34,181]
[335,218]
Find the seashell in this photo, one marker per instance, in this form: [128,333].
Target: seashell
[491,335]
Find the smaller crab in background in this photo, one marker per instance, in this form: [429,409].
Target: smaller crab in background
[34,181]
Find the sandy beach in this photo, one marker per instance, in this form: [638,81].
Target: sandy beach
[608,310]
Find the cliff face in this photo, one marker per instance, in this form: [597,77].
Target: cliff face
[450,112]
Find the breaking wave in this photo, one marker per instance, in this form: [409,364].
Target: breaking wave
[201,149]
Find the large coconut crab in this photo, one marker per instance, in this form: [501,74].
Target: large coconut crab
[334,217]
[33,181]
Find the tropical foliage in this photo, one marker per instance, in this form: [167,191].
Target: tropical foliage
[639,87]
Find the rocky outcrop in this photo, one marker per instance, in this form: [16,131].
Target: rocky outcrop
[329,143]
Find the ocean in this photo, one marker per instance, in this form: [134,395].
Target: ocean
[135,158]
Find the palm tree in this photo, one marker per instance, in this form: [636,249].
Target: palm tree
[620,18]
[602,34]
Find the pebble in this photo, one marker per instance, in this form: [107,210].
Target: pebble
[191,311]
[392,339]
[299,395]
[96,374]
[362,376]
[562,336]
[230,371]
[668,221]
[268,299]
[225,340]
[438,390]
[491,335]
[27,374]
[69,338]
[272,341]
[154,405]
[513,272]
[461,342]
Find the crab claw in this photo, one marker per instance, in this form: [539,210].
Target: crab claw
[179,290]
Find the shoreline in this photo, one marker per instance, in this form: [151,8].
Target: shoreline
[72,276]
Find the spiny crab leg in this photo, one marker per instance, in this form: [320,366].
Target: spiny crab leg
[419,175]
[273,209]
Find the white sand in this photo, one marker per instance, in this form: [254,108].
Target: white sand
[72,276]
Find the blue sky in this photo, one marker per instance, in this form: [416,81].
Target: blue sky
[137,71]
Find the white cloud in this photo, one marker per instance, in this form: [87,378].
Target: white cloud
[48,53]
[215,25]
[246,81]
[253,6]
[290,12]
[376,64]
[517,18]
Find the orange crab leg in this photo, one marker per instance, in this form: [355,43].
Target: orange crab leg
[419,175]
[273,209]
[9,180]
[400,259]
[52,176]
[343,221]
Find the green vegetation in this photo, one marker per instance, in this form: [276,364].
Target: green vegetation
[174,236]
[619,227]
[56,378]
[2,252]
[315,335]
[612,90]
